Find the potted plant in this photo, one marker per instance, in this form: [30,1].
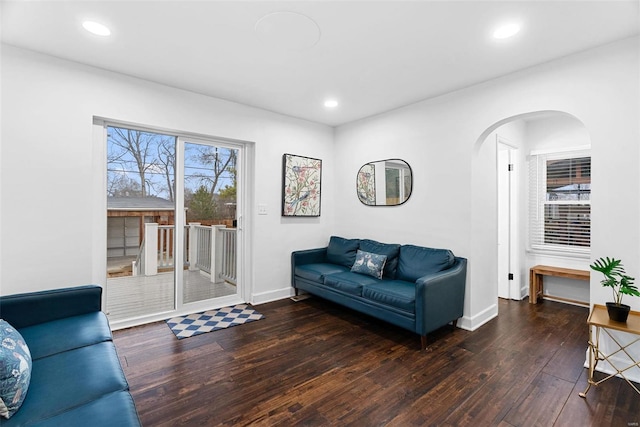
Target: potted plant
[617,279]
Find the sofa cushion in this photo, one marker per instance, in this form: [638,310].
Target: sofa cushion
[342,251]
[391,250]
[15,369]
[418,261]
[369,264]
[395,293]
[348,282]
[67,380]
[317,272]
[65,334]
[22,310]
[114,409]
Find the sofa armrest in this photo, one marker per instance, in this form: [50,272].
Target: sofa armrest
[27,309]
[440,297]
[307,256]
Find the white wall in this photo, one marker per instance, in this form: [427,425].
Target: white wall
[442,140]
[49,184]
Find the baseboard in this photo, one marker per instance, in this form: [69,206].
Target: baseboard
[604,367]
[524,292]
[473,323]
[269,296]
[466,323]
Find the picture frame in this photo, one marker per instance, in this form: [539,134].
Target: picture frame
[301,186]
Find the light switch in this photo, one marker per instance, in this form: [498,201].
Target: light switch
[262,209]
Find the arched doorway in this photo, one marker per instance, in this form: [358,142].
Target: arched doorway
[503,157]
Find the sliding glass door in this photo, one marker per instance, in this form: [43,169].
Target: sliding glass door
[210,180]
[140,223]
[171,222]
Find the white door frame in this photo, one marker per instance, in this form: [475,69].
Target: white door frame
[241,229]
[509,277]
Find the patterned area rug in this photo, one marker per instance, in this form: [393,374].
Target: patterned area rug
[201,323]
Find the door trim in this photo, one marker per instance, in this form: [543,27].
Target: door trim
[514,285]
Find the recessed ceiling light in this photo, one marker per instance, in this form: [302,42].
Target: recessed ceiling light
[96,28]
[331,103]
[506,31]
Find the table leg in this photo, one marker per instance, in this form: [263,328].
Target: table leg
[539,286]
[593,358]
[533,287]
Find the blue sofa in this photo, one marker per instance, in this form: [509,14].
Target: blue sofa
[76,376]
[417,288]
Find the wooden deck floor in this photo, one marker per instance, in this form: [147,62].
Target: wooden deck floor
[133,296]
[314,363]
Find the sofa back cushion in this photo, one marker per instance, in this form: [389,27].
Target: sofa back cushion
[342,251]
[417,261]
[391,250]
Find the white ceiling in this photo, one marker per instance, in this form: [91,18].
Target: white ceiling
[373,56]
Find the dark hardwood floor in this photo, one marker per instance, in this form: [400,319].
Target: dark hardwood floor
[314,363]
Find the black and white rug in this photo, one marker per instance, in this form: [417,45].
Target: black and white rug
[213,320]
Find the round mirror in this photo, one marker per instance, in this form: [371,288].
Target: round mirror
[384,183]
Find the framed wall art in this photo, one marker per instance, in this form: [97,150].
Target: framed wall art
[301,179]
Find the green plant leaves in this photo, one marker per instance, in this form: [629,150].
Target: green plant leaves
[615,277]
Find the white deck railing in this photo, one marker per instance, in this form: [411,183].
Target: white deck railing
[137,266]
[165,246]
[211,249]
[200,244]
[228,258]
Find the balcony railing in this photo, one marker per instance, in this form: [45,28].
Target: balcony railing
[228,259]
[137,266]
[201,242]
[165,246]
[211,249]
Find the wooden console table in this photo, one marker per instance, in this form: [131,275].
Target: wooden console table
[599,320]
[536,285]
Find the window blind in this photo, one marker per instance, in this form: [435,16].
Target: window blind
[560,202]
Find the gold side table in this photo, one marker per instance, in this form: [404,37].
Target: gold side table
[599,321]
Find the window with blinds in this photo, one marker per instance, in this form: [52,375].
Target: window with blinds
[560,202]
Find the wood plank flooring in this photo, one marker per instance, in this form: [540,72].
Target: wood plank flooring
[314,363]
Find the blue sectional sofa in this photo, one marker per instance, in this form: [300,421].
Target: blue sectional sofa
[76,376]
[414,287]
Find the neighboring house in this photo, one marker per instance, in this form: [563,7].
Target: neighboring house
[126,217]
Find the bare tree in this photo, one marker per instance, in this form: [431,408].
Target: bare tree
[218,162]
[151,154]
[151,158]
[167,160]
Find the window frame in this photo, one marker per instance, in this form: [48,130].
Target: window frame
[538,203]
